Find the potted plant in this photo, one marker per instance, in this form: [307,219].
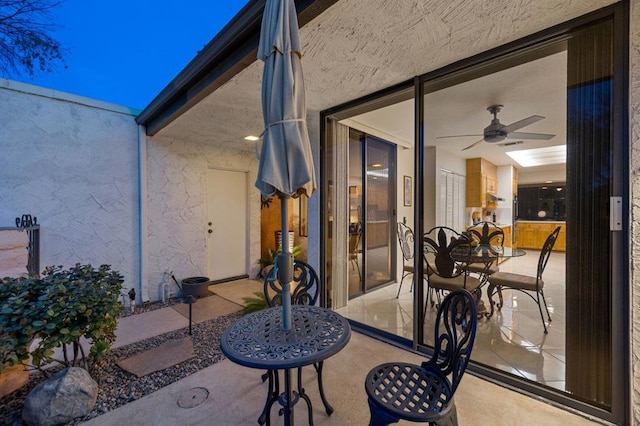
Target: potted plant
[266,262]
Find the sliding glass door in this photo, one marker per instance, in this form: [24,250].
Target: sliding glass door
[562,95]
[558,102]
[371,203]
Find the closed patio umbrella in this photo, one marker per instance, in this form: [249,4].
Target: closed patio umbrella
[286,164]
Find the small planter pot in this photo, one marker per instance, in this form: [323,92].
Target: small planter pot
[196,286]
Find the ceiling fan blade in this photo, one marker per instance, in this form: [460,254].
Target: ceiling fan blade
[522,123]
[538,136]
[458,136]
[472,145]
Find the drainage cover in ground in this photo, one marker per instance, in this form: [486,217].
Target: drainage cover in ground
[193,397]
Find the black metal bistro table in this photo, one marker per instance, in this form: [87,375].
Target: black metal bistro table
[258,340]
[487,254]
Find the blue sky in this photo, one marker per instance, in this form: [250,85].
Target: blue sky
[127,51]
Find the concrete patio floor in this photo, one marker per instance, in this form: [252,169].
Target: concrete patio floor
[236,394]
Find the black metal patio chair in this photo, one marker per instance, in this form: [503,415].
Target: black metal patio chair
[424,393]
[406,239]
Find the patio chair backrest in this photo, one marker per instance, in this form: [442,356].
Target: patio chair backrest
[490,234]
[440,244]
[545,253]
[406,240]
[304,287]
[455,332]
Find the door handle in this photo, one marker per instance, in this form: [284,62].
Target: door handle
[615,214]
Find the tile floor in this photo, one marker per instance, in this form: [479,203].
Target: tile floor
[513,340]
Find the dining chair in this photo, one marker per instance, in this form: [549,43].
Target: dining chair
[424,393]
[406,239]
[489,235]
[448,273]
[304,291]
[529,285]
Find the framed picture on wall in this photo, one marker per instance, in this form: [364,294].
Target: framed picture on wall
[408,191]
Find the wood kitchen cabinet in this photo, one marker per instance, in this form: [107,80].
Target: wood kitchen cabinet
[507,236]
[482,177]
[492,184]
[532,235]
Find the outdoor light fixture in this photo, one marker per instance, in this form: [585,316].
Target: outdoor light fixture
[251,138]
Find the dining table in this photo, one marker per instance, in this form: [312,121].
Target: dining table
[259,340]
[486,254]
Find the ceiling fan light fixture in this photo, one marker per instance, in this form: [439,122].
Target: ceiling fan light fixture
[494,137]
[497,132]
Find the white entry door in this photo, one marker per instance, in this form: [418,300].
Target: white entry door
[227,224]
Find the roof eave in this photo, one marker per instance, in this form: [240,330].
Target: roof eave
[232,50]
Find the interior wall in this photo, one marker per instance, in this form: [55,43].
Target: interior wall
[71,162]
[431,182]
[435,160]
[270,223]
[177,207]
[526,176]
[406,159]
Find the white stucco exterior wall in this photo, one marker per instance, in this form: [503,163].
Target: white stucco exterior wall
[71,162]
[177,207]
[313,207]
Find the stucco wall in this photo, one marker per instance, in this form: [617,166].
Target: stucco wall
[634,115]
[72,163]
[177,207]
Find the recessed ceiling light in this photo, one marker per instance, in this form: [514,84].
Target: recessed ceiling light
[540,156]
[251,138]
[549,181]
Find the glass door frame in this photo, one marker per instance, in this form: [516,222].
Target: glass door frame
[620,336]
[364,140]
[465,70]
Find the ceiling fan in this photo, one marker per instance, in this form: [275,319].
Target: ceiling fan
[497,132]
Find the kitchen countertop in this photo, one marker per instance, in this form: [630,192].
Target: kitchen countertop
[540,221]
[499,225]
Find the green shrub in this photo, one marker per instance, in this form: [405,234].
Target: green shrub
[58,309]
[254,304]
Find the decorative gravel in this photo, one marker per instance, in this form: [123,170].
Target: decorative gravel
[118,387]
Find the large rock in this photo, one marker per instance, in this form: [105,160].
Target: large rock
[68,394]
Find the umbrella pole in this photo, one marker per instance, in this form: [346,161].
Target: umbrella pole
[285,263]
